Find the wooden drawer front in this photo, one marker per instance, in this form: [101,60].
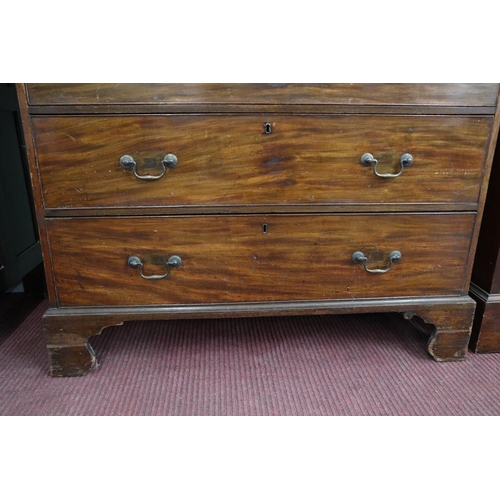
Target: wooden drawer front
[228,160]
[256,258]
[453,94]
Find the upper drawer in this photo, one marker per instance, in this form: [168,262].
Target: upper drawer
[226,160]
[447,94]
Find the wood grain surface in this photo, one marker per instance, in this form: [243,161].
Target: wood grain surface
[227,160]
[232,259]
[305,179]
[452,94]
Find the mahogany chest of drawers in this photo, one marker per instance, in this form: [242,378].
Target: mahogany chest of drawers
[159,201]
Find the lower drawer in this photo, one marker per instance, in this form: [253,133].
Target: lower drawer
[257,258]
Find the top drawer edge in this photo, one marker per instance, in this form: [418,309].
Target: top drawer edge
[249,94]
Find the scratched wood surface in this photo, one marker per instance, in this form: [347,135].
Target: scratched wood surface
[236,259]
[451,94]
[93,215]
[229,161]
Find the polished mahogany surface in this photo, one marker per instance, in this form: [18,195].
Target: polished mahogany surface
[208,200]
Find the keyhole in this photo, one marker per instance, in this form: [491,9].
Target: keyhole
[267,128]
[264,228]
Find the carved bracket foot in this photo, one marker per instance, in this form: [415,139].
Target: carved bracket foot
[452,325]
[67,338]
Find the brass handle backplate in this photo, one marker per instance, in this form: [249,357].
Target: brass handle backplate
[128,163]
[360,258]
[172,262]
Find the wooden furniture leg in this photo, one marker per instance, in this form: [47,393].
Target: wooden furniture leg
[452,324]
[67,338]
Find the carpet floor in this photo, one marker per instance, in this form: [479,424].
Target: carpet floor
[374,364]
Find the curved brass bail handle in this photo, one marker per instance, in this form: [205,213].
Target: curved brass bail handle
[367,159]
[360,258]
[172,262]
[128,163]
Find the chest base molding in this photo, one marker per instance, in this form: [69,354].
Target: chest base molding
[446,320]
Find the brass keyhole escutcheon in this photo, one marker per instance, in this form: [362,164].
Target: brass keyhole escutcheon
[268,129]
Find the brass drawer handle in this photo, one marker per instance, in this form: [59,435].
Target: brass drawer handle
[360,258]
[172,262]
[128,163]
[367,159]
